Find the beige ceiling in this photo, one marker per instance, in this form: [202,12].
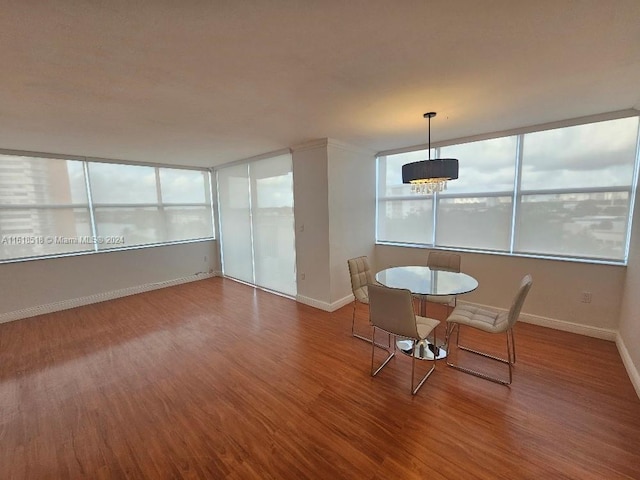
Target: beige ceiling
[208,82]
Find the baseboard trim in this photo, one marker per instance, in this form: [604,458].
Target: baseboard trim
[326,306]
[312,302]
[632,370]
[565,326]
[342,302]
[98,297]
[554,323]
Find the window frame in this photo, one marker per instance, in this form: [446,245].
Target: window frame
[518,193]
[91,206]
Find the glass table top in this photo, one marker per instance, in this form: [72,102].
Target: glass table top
[425,281]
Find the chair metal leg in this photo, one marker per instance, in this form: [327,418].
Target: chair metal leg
[447,334]
[513,346]
[361,337]
[353,325]
[451,308]
[509,361]
[390,355]
[413,369]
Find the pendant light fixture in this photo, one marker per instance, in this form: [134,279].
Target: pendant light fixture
[429,176]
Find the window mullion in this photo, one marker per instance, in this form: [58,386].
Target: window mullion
[377,198]
[251,219]
[87,181]
[632,197]
[517,196]
[213,217]
[220,231]
[161,211]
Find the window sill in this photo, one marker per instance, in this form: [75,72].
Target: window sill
[596,261]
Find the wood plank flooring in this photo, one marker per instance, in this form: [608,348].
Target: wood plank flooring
[215,379]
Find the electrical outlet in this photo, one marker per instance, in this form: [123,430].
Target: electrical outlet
[585,297]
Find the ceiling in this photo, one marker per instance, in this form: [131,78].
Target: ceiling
[208,82]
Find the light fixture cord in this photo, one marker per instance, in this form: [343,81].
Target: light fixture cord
[429,137]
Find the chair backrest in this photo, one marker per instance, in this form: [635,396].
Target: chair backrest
[444,261]
[391,309]
[361,276]
[518,301]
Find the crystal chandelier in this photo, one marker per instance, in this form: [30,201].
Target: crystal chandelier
[430,176]
[429,185]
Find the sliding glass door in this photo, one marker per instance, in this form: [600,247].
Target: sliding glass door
[256,223]
[235,222]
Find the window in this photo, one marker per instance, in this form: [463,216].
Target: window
[576,190]
[54,207]
[402,215]
[256,223]
[564,192]
[481,200]
[146,205]
[185,204]
[43,207]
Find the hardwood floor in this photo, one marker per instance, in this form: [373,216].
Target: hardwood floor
[214,379]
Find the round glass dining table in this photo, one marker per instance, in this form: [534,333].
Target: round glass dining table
[425,281]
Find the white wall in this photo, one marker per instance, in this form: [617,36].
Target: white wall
[334,206]
[352,200]
[40,286]
[629,335]
[554,299]
[311,211]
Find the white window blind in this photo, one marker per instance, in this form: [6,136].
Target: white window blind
[481,199]
[186,204]
[43,207]
[236,238]
[149,205]
[256,223]
[50,206]
[563,192]
[125,198]
[576,190]
[402,216]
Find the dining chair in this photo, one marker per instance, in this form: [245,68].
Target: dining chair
[450,262]
[444,261]
[391,310]
[491,322]
[361,277]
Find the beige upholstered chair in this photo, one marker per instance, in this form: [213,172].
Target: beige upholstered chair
[492,322]
[361,277]
[391,310]
[438,260]
[450,262]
